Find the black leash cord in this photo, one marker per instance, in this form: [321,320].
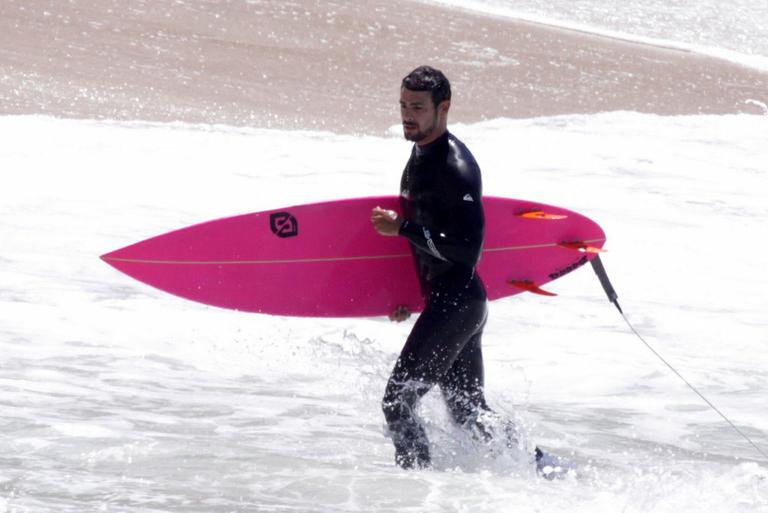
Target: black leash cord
[597,265]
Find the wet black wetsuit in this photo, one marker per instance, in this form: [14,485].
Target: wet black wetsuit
[441,200]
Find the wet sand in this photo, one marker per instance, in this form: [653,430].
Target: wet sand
[333,65]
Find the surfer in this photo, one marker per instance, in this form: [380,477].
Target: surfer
[442,218]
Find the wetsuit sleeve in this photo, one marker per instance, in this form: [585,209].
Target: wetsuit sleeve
[459,238]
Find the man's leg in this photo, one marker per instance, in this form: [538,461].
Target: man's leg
[437,338]
[462,388]
[462,385]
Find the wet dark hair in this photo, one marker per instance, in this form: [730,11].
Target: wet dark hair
[427,78]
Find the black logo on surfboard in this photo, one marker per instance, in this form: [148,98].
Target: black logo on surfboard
[283,224]
[562,272]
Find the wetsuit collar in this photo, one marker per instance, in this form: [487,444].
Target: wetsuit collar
[422,151]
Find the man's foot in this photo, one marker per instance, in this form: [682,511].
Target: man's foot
[491,427]
[413,459]
[552,467]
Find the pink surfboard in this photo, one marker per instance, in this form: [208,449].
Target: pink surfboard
[326,260]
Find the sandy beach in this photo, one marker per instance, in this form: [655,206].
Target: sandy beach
[333,65]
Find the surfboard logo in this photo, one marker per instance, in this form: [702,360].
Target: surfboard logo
[283,224]
[562,272]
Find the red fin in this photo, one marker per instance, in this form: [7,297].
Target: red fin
[540,214]
[529,286]
[582,247]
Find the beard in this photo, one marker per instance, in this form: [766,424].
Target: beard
[419,134]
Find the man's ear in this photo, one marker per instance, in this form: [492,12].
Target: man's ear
[444,106]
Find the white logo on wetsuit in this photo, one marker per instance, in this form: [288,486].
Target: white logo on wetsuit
[431,245]
[468,197]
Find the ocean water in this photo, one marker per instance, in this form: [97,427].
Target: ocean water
[735,30]
[120,398]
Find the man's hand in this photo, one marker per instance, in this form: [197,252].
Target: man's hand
[386,222]
[400,314]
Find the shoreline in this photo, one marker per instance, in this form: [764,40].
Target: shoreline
[337,66]
[759,62]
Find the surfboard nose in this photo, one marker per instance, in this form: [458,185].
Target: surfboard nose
[112,256]
[119,258]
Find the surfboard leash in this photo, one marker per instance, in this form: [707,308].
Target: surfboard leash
[597,266]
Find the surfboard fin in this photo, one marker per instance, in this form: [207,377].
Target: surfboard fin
[540,214]
[581,246]
[529,286]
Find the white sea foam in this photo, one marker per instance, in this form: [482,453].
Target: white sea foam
[119,397]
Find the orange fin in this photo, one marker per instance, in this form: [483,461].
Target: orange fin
[540,214]
[582,247]
[529,286]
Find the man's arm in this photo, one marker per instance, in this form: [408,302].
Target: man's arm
[460,240]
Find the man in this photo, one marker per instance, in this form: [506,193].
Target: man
[442,218]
